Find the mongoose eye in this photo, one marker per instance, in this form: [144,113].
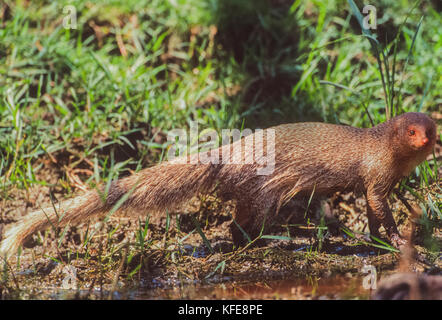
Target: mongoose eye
[411,132]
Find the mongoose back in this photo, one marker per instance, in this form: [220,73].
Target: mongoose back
[318,157]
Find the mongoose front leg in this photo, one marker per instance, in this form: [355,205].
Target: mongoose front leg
[373,222]
[379,213]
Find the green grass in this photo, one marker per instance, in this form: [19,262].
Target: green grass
[81,95]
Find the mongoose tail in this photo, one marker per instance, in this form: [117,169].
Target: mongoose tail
[154,189]
[70,210]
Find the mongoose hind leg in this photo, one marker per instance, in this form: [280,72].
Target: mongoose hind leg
[242,217]
[252,219]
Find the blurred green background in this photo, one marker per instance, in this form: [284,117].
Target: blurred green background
[108,89]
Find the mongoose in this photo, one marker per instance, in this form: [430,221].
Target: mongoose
[309,157]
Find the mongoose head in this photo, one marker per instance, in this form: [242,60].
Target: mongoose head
[415,133]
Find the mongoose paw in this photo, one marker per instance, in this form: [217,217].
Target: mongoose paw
[397,241]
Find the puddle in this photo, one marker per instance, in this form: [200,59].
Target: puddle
[327,288]
[338,287]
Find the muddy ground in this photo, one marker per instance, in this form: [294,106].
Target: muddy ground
[100,261]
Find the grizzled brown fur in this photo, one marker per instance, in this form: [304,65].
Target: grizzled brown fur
[308,156]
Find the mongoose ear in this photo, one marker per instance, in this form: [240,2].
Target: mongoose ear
[398,125]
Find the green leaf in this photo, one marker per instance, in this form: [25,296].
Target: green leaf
[275,237]
[203,236]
